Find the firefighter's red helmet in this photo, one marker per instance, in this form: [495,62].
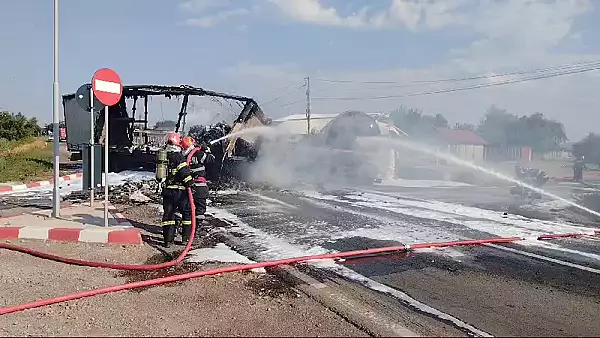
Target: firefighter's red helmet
[174,139]
[187,142]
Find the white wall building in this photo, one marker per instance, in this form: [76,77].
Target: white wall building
[297,124]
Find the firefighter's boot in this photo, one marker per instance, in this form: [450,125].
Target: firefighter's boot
[168,235]
[185,234]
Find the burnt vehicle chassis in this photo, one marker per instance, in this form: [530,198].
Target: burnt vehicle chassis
[128,153]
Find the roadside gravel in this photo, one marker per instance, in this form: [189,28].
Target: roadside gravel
[234,304]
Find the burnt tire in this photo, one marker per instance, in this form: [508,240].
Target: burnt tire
[535,195]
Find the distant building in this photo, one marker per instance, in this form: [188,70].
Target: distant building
[465,144]
[297,124]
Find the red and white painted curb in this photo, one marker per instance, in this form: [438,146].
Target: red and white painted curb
[21,187]
[89,235]
[123,233]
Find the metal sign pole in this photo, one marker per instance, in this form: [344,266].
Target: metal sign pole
[106,166]
[108,89]
[56,121]
[92,141]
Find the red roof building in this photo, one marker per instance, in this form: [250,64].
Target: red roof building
[457,136]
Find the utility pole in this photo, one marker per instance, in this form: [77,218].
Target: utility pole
[55,121]
[307,84]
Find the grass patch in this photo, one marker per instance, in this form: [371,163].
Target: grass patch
[26,161]
[7,146]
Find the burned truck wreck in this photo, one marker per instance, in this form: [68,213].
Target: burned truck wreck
[332,155]
[344,159]
[133,145]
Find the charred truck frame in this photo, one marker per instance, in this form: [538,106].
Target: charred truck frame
[132,148]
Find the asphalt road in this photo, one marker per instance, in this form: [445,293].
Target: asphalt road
[532,288]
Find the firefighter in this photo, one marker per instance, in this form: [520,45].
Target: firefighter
[198,158]
[578,168]
[175,195]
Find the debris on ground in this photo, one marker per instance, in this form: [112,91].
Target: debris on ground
[147,191]
[139,197]
[130,192]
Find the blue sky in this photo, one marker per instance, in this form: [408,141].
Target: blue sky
[256,47]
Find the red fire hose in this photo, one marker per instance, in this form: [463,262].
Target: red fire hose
[178,260]
[170,279]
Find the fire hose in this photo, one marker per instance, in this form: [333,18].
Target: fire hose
[243,267]
[72,261]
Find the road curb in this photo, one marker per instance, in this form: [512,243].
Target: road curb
[123,233]
[86,235]
[356,312]
[22,187]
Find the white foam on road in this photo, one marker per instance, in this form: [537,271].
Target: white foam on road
[274,247]
[472,218]
[220,253]
[398,182]
[387,228]
[69,186]
[546,205]
[226,192]
[478,219]
[376,227]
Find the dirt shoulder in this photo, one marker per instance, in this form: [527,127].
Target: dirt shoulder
[235,304]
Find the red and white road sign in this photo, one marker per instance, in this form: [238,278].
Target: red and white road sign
[107,86]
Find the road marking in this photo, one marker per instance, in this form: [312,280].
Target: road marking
[411,302]
[544,258]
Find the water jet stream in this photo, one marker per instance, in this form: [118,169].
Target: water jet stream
[262,130]
[411,145]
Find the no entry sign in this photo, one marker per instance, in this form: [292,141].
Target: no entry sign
[107,86]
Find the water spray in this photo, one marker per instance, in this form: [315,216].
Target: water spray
[253,130]
[411,145]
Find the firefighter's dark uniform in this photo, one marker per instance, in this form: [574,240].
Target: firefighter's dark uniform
[175,197]
[578,167]
[198,159]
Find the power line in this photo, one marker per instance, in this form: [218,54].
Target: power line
[478,77]
[450,90]
[421,83]
[284,95]
[282,88]
[292,103]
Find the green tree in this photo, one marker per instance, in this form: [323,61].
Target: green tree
[588,147]
[18,126]
[536,131]
[415,123]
